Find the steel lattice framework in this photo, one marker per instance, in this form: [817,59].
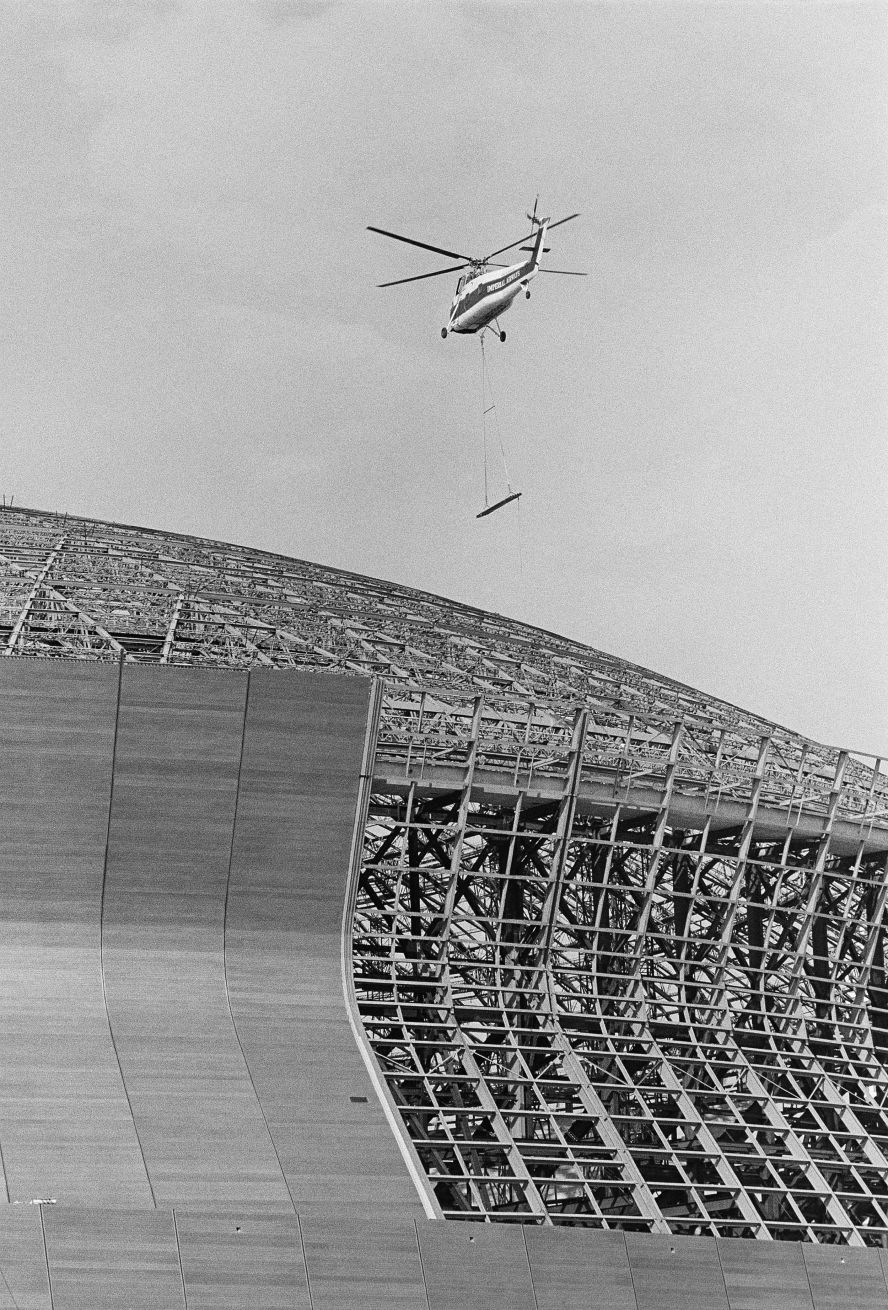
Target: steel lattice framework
[618,948]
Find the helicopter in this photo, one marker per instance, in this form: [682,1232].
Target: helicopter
[485,292]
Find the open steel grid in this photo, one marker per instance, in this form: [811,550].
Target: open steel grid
[636,985]
[617,946]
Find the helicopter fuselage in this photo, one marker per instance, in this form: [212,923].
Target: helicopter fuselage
[482,297]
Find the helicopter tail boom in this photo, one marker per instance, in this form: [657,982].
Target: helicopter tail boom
[537,247]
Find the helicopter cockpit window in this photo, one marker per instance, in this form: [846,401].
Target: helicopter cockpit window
[461,283]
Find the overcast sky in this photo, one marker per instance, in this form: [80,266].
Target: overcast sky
[193,338]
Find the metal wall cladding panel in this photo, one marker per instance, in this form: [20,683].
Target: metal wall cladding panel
[156,1260]
[177,760]
[242,1262]
[848,1279]
[113,1259]
[24,1281]
[676,1273]
[250,1098]
[55,748]
[464,1261]
[374,1265]
[302,752]
[761,1274]
[67,1129]
[579,1269]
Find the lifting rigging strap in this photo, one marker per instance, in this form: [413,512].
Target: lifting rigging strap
[487,390]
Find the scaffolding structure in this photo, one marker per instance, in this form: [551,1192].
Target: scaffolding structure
[618,947]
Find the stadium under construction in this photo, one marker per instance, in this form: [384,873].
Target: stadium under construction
[364,949]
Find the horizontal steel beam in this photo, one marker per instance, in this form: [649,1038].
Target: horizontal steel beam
[600,797]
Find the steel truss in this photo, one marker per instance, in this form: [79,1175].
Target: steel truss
[618,947]
[629,981]
[83,589]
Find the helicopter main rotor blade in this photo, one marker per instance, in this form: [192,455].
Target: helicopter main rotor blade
[529,237]
[565,272]
[423,245]
[420,276]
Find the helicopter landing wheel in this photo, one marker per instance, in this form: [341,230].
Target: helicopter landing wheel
[527,295]
[502,336]
[444,333]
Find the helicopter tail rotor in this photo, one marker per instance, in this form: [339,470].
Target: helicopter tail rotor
[532,218]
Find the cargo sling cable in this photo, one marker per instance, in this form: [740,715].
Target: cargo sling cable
[486,409]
